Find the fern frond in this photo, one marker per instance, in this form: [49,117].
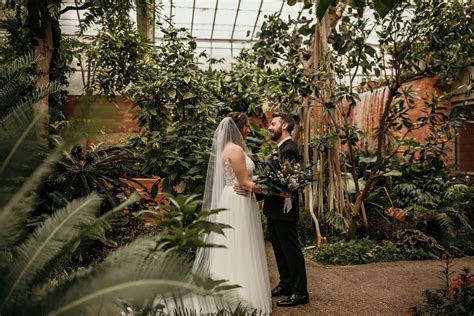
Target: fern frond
[9,71]
[336,220]
[46,242]
[39,94]
[140,273]
[19,156]
[445,221]
[97,230]
[10,91]
[457,191]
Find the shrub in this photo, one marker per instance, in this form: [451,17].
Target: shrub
[97,168]
[361,252]
[178,114]
[409,240]
[343,253]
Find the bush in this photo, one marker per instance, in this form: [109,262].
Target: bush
[178,113]
[343,253]
[363,251]
[464,246]
[409,240]
[381,229]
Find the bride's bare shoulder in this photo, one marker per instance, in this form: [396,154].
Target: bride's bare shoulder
[232,149]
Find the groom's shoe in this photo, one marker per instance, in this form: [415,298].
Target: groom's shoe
[294,300]
[280,291]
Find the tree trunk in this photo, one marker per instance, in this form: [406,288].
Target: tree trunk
[40,25]
[146,19]
[379,163]
[314,194]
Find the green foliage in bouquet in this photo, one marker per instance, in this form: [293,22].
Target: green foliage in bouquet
[279,175]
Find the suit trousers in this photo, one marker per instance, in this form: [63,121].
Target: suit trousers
[289,256]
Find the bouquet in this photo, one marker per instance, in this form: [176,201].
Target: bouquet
[278,175]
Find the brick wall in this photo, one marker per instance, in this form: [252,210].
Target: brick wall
[366,115]
[116,116]
[465,148]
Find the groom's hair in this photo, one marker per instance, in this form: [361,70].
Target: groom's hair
[286,118]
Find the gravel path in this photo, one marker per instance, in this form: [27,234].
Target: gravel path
[370,289]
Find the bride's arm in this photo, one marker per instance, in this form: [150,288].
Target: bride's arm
[239,165]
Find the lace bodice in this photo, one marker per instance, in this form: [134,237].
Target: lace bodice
[229,174]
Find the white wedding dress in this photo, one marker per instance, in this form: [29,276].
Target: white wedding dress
[243,262]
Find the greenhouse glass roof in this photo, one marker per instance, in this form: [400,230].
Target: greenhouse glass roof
[222,28]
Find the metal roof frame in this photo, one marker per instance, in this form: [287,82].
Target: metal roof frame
[214,22]
[281,8]
[192,18]
[239,18]
[256,20]
[233,30]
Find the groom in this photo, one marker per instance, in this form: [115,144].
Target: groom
[282,225]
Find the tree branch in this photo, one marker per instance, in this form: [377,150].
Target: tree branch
[85,6]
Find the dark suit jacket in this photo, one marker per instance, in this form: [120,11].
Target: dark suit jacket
[273,204]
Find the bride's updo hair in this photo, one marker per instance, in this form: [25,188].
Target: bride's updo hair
[240,119]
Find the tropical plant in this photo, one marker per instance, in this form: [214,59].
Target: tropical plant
[178,112]
[99,168]
[139,277]
[34,25]
[400,39]
[182,223]
[360,251]
[413,239]
[434,202]
[17,84]
[134,276]
[381,7]
[114,59]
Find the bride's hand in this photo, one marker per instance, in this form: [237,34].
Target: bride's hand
[285,195]
[240,191]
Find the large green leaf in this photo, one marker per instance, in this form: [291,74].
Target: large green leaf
[383,7]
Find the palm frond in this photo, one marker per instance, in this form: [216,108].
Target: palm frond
[457,191]
[141,274]
[20,156]
[445,221]
[39,94]
[46,242]
[97,230]
[336,220]
[10,92]
[9,71]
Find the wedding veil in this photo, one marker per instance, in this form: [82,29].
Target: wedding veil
[226,132]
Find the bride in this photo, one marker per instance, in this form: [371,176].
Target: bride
[243,261]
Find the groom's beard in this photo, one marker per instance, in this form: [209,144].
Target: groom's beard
[276,135]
